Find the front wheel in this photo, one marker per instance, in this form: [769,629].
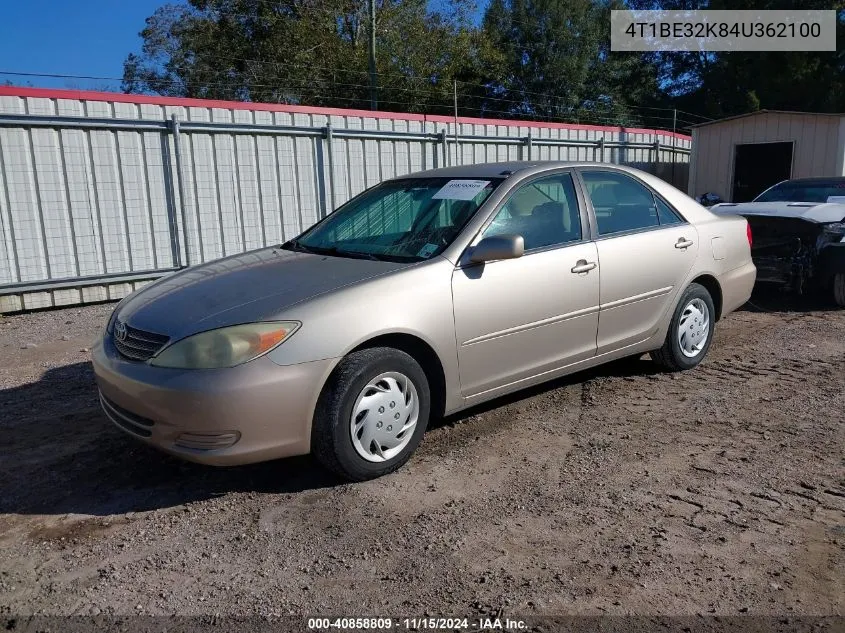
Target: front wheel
[690,331]
[372,414]
[839,289]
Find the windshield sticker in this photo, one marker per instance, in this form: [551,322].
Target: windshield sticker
[460,190]
[427,250]
[837,199]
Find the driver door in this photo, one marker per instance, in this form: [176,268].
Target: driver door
[517,318]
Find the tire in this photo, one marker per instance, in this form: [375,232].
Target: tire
[839,289]
[376,373]
[672,356]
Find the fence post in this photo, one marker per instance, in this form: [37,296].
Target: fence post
[443,146]
[529,143]
[321,171]
[601,149]
[330,145]
[177,148]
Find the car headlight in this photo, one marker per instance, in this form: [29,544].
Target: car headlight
[225,347]
[835,228]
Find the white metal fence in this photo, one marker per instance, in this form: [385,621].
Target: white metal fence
[102,192]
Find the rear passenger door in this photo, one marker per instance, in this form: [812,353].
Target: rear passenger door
[645,250]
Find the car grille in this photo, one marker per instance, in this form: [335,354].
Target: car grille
[138,344]
[128,421]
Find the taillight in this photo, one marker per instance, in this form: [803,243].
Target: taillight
[748,233]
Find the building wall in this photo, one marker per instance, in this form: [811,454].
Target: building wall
[819,147]
[99,194]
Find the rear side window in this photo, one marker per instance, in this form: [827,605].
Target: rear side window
[666,214]
[622,204]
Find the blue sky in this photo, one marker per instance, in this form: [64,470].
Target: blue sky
[73,37]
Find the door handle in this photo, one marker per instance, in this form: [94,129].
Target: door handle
[583,266]
[683,243]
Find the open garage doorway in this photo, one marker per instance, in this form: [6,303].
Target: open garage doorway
[758,166]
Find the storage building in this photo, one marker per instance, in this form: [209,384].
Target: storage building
[739,157]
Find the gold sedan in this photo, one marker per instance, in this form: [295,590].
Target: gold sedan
[422,296]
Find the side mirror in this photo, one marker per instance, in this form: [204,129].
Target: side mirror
[498,247]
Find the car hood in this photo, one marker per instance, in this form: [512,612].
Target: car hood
[821,213]
[254,286]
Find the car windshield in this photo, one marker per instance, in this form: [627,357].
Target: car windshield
[409,219]
[804,191]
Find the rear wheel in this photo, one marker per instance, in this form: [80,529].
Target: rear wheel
[839,289]
[690,331]
[372,414]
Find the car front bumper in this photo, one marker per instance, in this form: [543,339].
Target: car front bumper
[250,413]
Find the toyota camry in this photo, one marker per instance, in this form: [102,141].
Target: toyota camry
[424,295]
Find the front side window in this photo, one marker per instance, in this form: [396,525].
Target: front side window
[544,212]
[620,202]
[410,219]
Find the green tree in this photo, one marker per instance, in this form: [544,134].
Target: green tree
[719,84]
[311,52]
[558,62]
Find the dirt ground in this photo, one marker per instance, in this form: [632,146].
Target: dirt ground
[617,491]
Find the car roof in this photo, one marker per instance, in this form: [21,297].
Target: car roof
[502,170]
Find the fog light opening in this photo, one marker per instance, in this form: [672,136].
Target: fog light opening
[207,441]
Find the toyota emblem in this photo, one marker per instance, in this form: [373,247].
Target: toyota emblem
[120,330]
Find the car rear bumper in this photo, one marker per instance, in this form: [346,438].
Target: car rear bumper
[250,413]
[737,285]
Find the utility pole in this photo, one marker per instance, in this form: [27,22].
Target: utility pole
[674,129]
[457,149]
[373,85]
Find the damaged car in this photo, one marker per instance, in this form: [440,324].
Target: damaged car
[798,229]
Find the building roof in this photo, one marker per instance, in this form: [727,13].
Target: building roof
[747,114]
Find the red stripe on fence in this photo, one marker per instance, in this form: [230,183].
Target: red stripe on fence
[119,97]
